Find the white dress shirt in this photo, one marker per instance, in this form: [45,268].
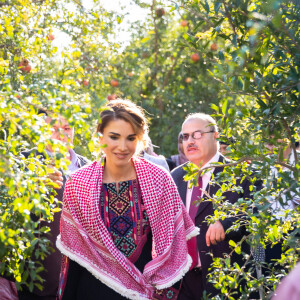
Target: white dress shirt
[205,180]
[74,165]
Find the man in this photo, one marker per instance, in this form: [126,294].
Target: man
[223,148]
[200,145]
[63,132]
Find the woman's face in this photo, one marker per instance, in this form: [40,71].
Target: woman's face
[121,142]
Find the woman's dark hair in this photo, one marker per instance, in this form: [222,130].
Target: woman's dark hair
[129,112]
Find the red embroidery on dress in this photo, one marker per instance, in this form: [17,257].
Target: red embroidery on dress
[125,217]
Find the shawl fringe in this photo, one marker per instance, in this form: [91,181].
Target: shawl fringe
[130,294]
[179,276]
[194,233]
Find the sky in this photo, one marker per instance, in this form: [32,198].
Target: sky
[133,13]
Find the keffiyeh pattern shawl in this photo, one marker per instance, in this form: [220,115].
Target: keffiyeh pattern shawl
[85,239]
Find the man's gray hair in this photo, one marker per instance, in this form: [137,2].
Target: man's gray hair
[205,117]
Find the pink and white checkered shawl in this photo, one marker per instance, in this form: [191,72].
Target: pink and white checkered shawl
[85,239]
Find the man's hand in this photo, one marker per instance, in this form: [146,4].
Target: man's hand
[55,178]
[215,234]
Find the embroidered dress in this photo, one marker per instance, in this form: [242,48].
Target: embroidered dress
[125,217]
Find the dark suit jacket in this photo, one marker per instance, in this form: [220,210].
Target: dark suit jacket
[206,209]
[52,261]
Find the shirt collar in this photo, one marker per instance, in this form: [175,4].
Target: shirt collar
[214,159]
[207,175]
[74,157]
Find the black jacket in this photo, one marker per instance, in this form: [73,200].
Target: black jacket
[206,209]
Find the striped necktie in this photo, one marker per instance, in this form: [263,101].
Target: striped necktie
[196,195]
[192,243]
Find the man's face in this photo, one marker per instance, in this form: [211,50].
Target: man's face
[62,131]
[199,151]
[223,149]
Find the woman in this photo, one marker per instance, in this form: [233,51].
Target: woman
[123,226]
[180,158]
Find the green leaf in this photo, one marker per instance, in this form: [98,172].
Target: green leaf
[185,36]
[232,243]
[68,72]
[221,55]
[217,6]
[205,6]
[198,25]
[240,83]
[145,39]
[31,167]
[224,107]
[11,241]
[91,146]
[237,250]
[215,107]
[261,103]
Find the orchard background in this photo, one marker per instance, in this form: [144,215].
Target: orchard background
[237,59]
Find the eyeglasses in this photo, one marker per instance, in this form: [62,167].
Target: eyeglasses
[196,135]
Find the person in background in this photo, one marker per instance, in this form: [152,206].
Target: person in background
[279,207]
[63,132]
[223,148]
[8,289]
[289,287]
[124,229]
[179,158]
[288,156]
[150,155]
[201,147]
[224,145]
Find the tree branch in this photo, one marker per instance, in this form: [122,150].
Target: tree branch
[287,128]
[228,15]
[155,43]
[171,70]
[246,159]
[200,16]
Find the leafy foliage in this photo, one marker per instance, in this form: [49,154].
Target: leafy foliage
[256,67]
[35,74]
[237,59]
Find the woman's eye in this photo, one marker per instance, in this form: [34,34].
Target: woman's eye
[132,139]
[113,137]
